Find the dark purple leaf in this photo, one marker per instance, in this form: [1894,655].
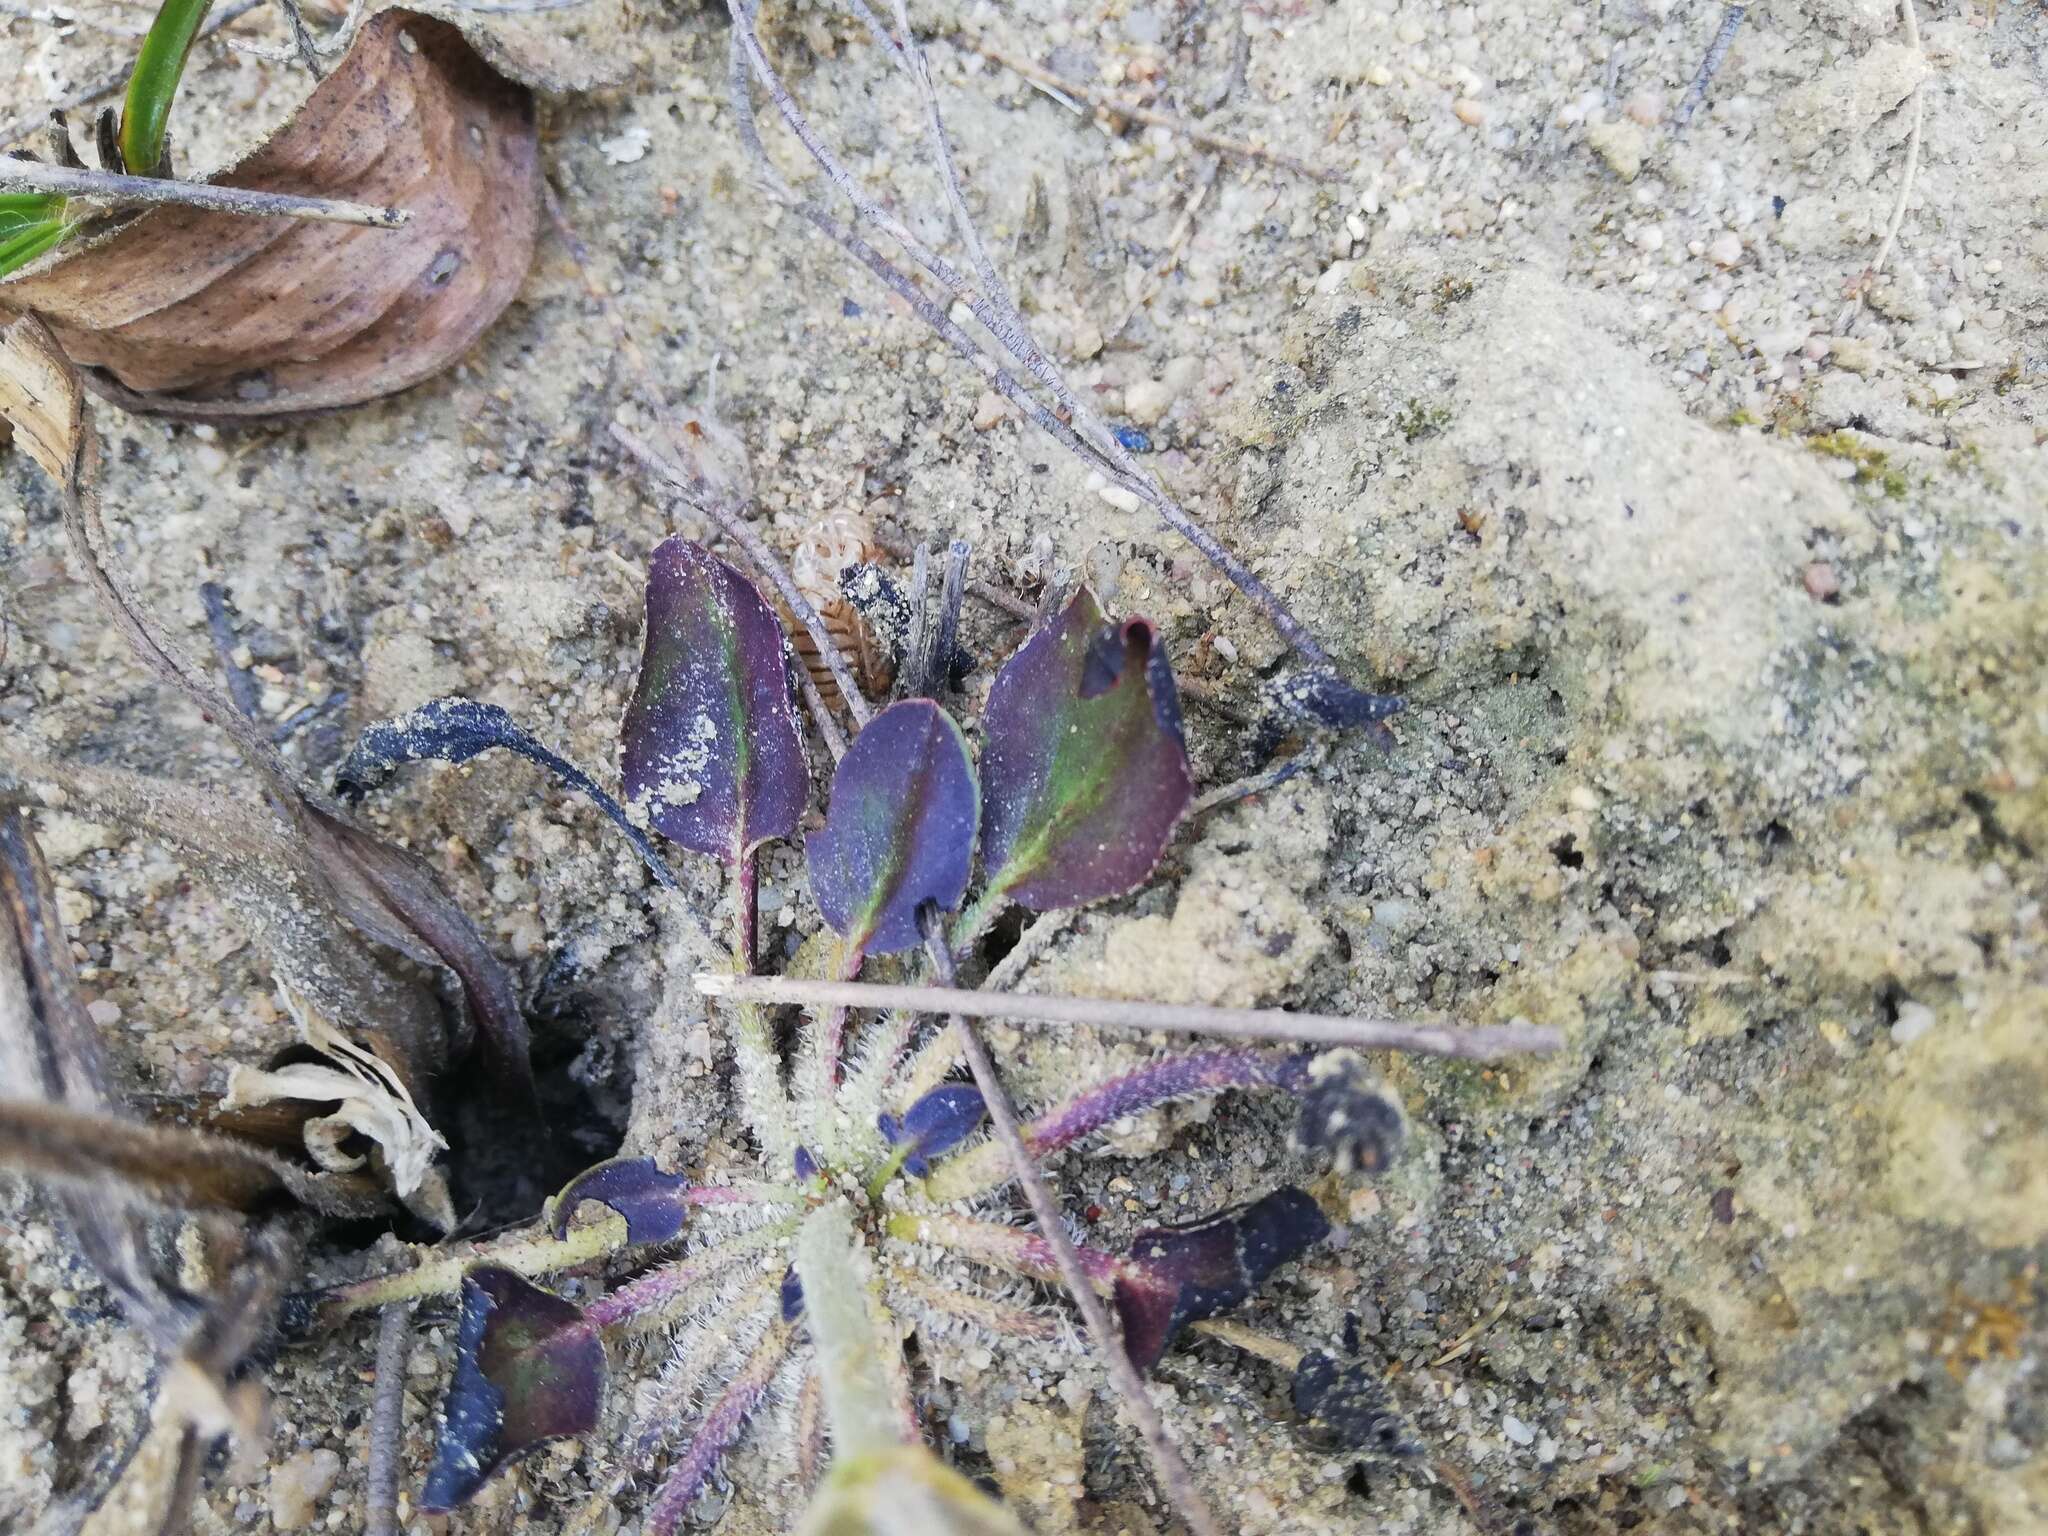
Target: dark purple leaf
[1349,1113]
[528,1369]
[655,1204]
[1084,766]
[792,1295]
[1347,1407]
[900,831]
[454,730]
[1179,1275]
[935,1124]
[806,1165]
[1324,701]
[710,744]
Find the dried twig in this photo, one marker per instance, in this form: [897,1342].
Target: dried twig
[1069,419]
[221,626]
[1176,1481]
[303,45]
[18,175]
[114,80]
[1891,229]
[1137,112]
[758,553]
[1490,1042]
[1724,39]
[387,1421]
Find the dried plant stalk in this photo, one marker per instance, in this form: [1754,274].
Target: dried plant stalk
[825,550]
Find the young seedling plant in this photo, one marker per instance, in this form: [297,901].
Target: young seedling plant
[872,1160]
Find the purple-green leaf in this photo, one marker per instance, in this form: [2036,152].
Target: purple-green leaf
[655,1204]
[710,745]
[900,830]
[528,1369]
[934,1125]
[1180,1275]
[1083,762]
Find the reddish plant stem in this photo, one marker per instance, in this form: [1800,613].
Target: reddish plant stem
[1175,1077]
[720,1427]
[747,946]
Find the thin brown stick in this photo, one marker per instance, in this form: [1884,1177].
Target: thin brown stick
[821,714]
[114,80]
[1176,1482]
[763,558]
[1479,1043]
[1137,112]
[387,1421]
[106,187]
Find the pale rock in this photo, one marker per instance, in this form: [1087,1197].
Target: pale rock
[1851,97]
[1147,401]
[1725,250]
[1620,144]
[990,409]
[298,1484]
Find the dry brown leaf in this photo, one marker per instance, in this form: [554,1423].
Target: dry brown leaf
[215,316]
[39,395]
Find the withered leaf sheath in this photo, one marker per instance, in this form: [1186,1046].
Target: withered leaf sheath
[311,886]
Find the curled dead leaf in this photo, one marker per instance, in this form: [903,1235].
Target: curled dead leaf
[214,316]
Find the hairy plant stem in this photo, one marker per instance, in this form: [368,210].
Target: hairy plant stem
[1176,1482]
[387,1421]
[858,1403]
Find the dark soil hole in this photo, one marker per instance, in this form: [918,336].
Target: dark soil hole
[1566,851]
[502,1165]
[1003,935]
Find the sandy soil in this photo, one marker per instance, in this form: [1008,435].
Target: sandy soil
[1714,594]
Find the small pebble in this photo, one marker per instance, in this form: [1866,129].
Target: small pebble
[1133,439]
[1726,249]
[990,409]
[1147,402]
[1469,112]
[1914,1020]
[1821,581]
[1517,1431]
[297,1484]
[1621,145]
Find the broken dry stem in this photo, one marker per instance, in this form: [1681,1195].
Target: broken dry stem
[763,559]
[1089,436]
[1137,112]
[1478,1043]
[128,191]
[1176,1482]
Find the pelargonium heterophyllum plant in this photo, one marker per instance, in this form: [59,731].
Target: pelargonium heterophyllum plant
[1082,779]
